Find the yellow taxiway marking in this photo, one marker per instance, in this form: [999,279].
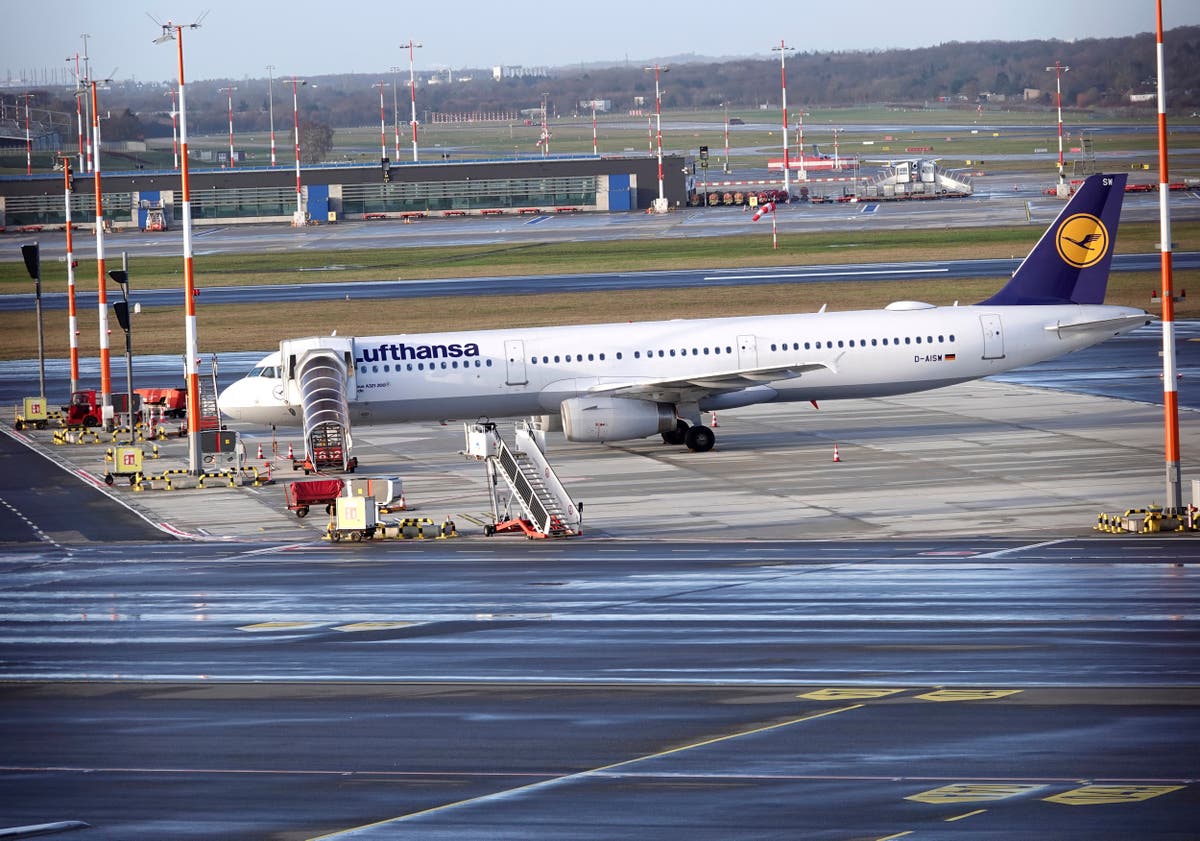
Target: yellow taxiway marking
[967,694]
[974,792]
[967,815]
[848,693]
[897,835]
[372,626]
[278,626]
[1104,795]
[553,781]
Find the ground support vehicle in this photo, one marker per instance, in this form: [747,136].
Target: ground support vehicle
[304,494]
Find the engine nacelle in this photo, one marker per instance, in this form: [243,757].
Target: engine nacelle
[600,419]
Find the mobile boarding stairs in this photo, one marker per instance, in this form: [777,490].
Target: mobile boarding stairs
[546,510]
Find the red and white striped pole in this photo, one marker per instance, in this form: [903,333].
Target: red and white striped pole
[28,138]
[783,48]
[229,90]
[298,218]
[412,89]
[72,320]
[382,123]
[191,352]
[1170,387]
[101,279]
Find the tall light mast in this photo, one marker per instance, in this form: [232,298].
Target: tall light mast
[412,88]
[1174,498]
[229,90]
[298,219]
[174,32]
[1059,69]
[271,106]
[658,126]
[382,122]
[101,279]
[783,51]
[395,109]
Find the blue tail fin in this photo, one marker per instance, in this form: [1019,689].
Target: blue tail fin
[1070,263]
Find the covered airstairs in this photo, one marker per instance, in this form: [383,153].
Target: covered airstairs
[318,374]
[545,507]
[919,179]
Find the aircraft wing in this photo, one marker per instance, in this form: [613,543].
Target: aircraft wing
[715,382]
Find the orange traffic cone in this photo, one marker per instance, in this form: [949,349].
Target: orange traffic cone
[714,420]
[260,455]
[291,456]
[836,456]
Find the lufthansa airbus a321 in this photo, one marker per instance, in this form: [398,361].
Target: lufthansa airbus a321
[613,382]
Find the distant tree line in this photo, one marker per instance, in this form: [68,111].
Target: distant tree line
[1103,73]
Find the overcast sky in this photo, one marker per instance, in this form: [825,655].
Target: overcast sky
[303,37]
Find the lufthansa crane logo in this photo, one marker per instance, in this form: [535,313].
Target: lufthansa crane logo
[1082,240]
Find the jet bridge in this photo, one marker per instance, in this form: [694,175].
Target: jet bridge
[318,373]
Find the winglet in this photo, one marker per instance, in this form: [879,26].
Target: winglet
[1070,263]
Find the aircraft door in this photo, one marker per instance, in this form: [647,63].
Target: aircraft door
[993,337]
[514,355]
[747,352]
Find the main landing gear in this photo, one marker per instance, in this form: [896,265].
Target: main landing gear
[698,439]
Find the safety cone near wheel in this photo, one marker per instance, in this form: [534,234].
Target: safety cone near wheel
[714,423]
[260,455]
[290,455]
[836,455]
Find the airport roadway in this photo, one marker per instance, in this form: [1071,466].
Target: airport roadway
[537,284]
[926,640]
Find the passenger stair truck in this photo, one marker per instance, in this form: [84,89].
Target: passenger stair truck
[318,379]
[546,508]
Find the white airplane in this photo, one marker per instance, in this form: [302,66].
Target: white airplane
[613,382]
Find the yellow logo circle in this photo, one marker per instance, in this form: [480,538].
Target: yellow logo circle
[1082,240]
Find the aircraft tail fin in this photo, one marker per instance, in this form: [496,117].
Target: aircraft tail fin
[1070,263]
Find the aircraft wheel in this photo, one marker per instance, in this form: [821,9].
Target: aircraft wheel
[302,512]
[699,439]
[676,436]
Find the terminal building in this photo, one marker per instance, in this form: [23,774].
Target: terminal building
[331,193]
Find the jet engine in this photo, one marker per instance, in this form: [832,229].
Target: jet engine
[615,418]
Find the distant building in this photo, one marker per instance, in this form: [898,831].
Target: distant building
[1032,94]
[518,72]
[601,105]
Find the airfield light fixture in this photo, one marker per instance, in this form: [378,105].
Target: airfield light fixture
[412,88]
[229,91]
[174,32]
[1059,69]
[121,278]
[658,122]
[784,49]
[31,254]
